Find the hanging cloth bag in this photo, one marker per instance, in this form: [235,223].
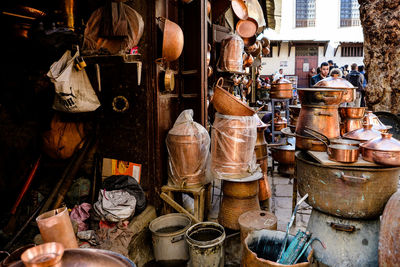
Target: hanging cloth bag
[74,93]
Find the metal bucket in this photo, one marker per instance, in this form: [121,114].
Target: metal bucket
[261,249]
[206,244]
[56,226]
[168,234]
[348,242]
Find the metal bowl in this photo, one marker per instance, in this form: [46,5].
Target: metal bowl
[47,254]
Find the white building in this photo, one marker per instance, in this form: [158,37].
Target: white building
[310,32]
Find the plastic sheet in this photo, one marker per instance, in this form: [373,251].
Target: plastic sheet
[188,145]
[231,58]
[233,139]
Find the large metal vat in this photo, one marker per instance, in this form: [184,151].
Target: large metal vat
[349,243]
[349,192]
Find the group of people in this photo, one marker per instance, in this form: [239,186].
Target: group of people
[356,76]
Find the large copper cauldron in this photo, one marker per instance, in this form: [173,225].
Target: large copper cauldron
[239,196]
[232,145]
[348,192]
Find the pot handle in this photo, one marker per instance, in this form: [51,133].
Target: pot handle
[326,143]
[320,113]
[349,178]
[177,238]
[220,82]
[325,98]
[342,227]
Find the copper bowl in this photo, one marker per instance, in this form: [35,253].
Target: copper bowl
[47,254]
[352,112]
[247,28]
[227,104]
[172,40]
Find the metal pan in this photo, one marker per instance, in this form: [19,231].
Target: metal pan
[339,153]
[240,9]
[246,28]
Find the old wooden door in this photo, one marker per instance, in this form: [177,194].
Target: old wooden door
[306,59]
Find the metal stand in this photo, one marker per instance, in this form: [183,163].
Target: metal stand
[273,106]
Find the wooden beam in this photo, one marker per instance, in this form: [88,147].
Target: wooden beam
[177,207]
[325,48]
[279,48]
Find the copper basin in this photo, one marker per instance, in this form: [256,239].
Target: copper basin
[320,96]
[352,112]
[323,119]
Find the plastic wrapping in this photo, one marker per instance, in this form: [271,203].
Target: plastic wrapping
[233,139]
[231,58]
[188,145]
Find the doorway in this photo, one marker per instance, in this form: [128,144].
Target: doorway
[306,59]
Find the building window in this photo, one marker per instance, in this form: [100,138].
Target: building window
[352,51]
[305,13]
[349,13]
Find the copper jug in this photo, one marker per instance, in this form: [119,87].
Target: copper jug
[238,198]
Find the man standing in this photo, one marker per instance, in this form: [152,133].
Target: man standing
[278,75]
[357,79]
[324,70]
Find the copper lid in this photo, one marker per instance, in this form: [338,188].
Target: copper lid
[363,134]
[257,220]
[371,118]
[281,80]
[331,82]
[385,143]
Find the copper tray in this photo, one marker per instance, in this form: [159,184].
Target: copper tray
[89,257]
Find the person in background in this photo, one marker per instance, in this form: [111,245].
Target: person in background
[336,73]
[345,70]
[362,71]
[356,79]
[278,75]
[318,70]
[267,119]
[311,73]
[330,63]
[322,75]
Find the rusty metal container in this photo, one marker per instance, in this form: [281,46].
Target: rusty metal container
[55,226]
[239,196]
[389,241]
[349,243]
[256,220]
[233,140]
[348,192]
[188,146]
[268,243]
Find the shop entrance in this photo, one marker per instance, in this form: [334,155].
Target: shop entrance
[306,59]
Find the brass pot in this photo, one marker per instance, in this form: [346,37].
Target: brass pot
[320,96]
[323,119]
[384,150]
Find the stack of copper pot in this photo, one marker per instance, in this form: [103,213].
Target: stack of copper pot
[234,145]
[351,118]
[319,111]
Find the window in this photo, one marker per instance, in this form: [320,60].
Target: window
[306,50]
[352,50]
[305,13]
[349,13]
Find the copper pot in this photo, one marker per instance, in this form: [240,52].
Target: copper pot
[323,119]
[264,191]
[246,28]
[47,254]
[364,134]
[338,83]
[261,147]
[281,89]
[309,143]
[349,125]
[232,145]
[384,150]
[280,123]
[352,112]
[248,61]
[240,9]
[172,40]
[283,155]
[339,153]
[231,58]
[238,198]
[320,96]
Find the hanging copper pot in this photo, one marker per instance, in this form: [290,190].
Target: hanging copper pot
[384,150]
[231,58]
[172,40]
[240,9]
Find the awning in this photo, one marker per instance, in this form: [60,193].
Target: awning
[292,43]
